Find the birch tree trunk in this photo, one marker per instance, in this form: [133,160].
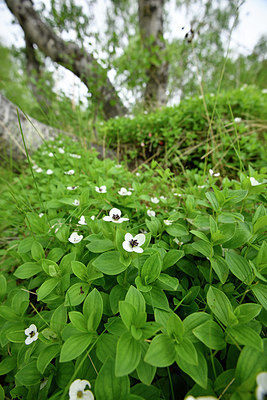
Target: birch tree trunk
[151,30]
[69,55]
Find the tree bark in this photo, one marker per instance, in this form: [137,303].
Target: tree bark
[69,55]
[151,31]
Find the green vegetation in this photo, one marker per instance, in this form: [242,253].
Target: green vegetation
[185,315]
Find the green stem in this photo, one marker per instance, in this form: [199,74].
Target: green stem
[171,385]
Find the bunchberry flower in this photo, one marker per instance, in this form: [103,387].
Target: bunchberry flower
[72,187]
[76,202]
[154,200]
[82,221]
[212,173]
[61,151]
[38,169]
[115,216]
[101,189]
[70,172]
[78,390]
[75,238]
[261,390]
[93,217]
[163,198]
[178,242]
[254,182]
[32,334]
[133,243]
[167,222]
[49,172]
[75,155]
[151,213]
[201,398]
[51,154]
[237,120]
[118,166]
[40,215]
[124,192]
[137,174]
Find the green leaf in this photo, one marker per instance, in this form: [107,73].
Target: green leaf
[28,375]
[7,313]
[25,245]
[211,335]
[76,294]
[75,346]
[46,288]
[106,347]
[65,263]
[199,373]
[200,235]
[220,267]
[194,320]
[151,269]
[78,320]
[93,309]
[175,328]
[203,248]
[176,230]
[241,236]
[3,286]
[16,336]
[245,335]
[260,292]
[240,267]
[171,258]
[7,365]
[59,319]
[27,270]
[109,263]
[127,313]
[145,371]
[161,351]
[260,224]
[187,351]
[246,312]
[100,246]
[213,200]
[117,293]
[136,298]
[249,363]
[46,356]
[157,298]
[128,355]
[167,282]
[219,304]
[79,269]
[153,226]
[109,386]
[37,251]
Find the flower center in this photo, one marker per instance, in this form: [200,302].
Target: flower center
[100,190]
[133,243]
[32,334]
[116,217]
[79,394]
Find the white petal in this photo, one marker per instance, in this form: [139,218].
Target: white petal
[28,340]
[128,237]
[32,328]
[262,381]
[140,239]
[108,218]
[122,220]
[88,395]
[138,249]
[127,247]
[115,211]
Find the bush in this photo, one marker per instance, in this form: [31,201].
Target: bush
[230,132]
[178,309]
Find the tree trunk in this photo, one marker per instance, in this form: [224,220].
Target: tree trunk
[151,30]
[69,55]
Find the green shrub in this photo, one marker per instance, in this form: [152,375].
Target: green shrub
[181,313]
[181,136]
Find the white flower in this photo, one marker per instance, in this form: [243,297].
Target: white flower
[154,200]
[133,243]
[118,166]
[51,154]
[78,390]
[131,189]
[61,151]
[32,334]
[254,182]
[217,174]
[39,170]
[82,221]
[137,174]
[75,238]
[151,213]
[93,217]
[101,189]
[167,222]
[264,91]
[237,120]
[34,166]
[75,155]
[124,192]
[70,172]
[261,390]
[201,398]
[177,194]
[163,198]
[201,186]
[49,172]
[76,202]
[211,172]
[72,187]
[40,215]
[115,216]
[178,242]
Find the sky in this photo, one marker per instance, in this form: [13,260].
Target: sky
[253,24]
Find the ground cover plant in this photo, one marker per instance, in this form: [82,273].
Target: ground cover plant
[123,285]
[184,136]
